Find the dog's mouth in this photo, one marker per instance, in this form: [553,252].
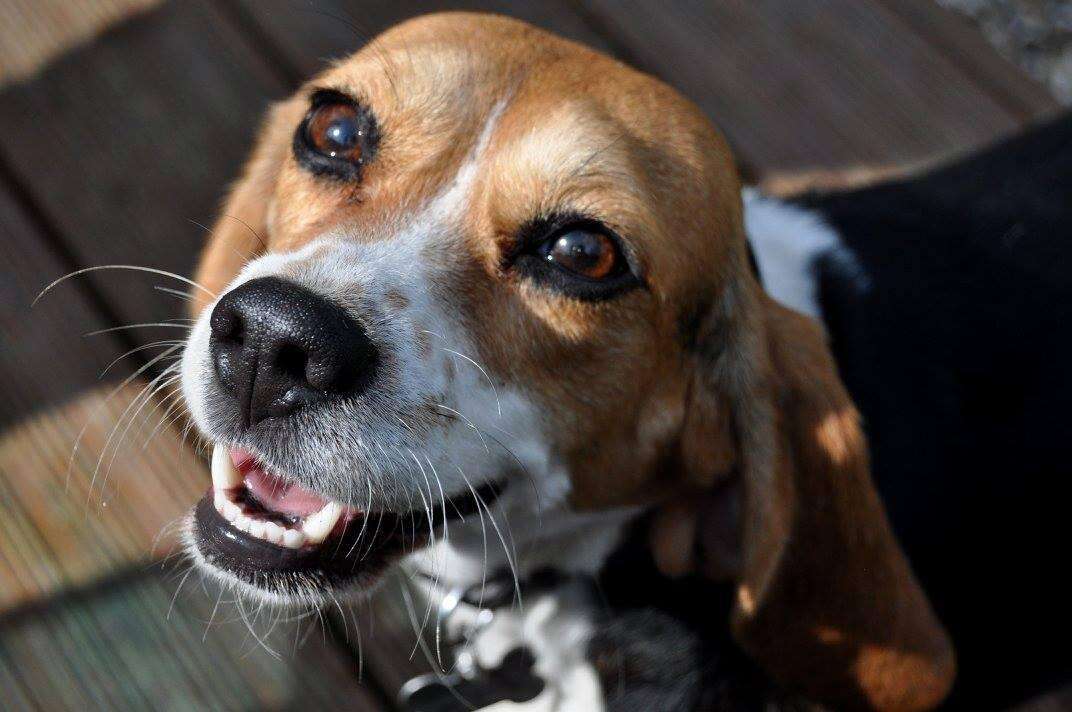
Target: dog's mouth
[281,538]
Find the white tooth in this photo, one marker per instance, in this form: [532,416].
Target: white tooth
[318,526]
[242,523]
[273,532]
[256,528]
[219,499]
[231,511]
[293,538]
[224,474]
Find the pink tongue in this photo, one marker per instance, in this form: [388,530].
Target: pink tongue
[273,492]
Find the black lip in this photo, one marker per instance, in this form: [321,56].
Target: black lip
[357,557]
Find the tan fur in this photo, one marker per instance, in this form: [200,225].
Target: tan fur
[827,598]
[691,383]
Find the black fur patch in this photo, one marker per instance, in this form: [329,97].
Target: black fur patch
[949,308]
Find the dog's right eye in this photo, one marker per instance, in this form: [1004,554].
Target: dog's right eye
[337,137]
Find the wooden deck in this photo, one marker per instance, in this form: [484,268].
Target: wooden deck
[121,123]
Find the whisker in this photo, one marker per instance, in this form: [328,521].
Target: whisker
[483,535]
[143,347]
[174,292]
[165,324]
[100,408]
[137,268]
[468,422]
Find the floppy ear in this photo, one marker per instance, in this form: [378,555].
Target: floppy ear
[241,231]
[827,604]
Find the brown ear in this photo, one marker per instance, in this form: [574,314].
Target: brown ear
[241,231]
[827,603]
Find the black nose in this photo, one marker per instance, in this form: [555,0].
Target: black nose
[278,346]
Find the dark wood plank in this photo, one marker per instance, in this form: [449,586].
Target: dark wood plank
[55,530]
[35,31]
[810,83]
[954,36]
[393,647]
[308,35]
[43,357]
[124,645]
[124,141]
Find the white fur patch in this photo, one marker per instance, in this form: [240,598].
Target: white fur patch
[556,626]
[787,241]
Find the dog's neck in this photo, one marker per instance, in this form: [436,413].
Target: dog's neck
[523,542]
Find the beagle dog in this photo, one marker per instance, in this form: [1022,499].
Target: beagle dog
[482,298]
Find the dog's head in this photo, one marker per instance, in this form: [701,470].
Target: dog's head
[476,262]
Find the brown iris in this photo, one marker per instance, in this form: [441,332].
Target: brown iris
[586,253]
[336,131]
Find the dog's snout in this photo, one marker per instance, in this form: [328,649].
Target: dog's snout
[277,346]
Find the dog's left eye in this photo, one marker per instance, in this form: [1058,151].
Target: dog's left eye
[337,137]
[587,253]
[575,255]
[335,130]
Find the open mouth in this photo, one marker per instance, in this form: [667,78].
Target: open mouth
[267,507]
[278,536]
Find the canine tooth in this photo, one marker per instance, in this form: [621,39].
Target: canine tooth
[256,528]
[293,538]
[219,499]
[273,532]
[224,474]
[318,526]
[231,511]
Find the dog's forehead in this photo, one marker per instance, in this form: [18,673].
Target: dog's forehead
[564,127]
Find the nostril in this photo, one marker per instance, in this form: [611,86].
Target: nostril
[292,360]
[238,336]
[233,330]
[228,326]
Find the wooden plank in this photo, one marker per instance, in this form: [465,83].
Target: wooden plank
[126,140]
[55,529]
[393,648]
[35,31]
[796,89]
[68,520]
[127,646]
[958,39]
[308,36]
[43,357]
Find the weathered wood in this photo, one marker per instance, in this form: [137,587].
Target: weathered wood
[796,89]
[955,37]
[35,31]
[43,357]
[394,646]
[307,36]
[125,141]
[138,645]
[70,519]
[55,530]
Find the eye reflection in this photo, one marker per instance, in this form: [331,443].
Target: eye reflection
[336,131]
[590,254]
